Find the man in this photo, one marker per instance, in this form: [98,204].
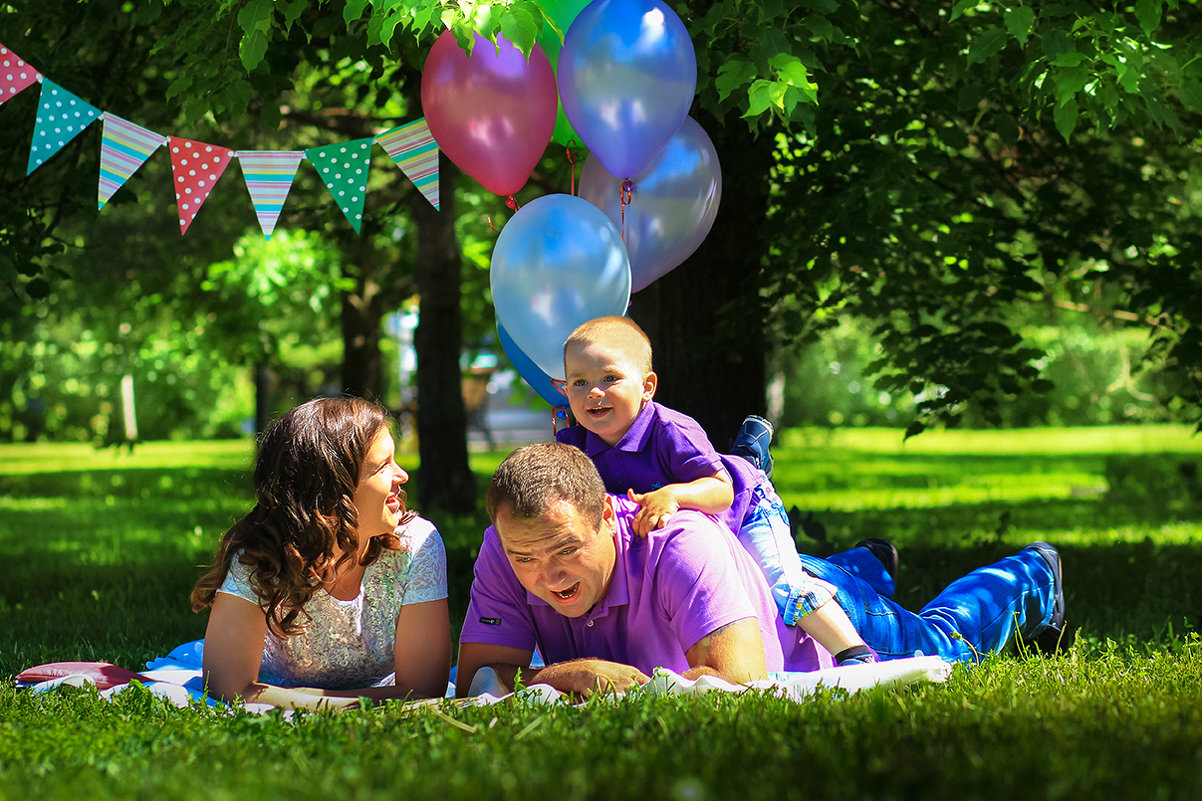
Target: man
[561,570]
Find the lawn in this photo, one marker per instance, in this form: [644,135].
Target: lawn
[98,550]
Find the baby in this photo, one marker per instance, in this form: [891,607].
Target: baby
[664,461]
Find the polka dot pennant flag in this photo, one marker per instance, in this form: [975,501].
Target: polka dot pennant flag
[343,167]
[269,175]
[15,75]
[413,148]
[195,168]
[124,147]
[61,116]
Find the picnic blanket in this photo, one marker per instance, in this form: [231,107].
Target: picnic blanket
[176,677]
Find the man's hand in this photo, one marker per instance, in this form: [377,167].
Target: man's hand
[584,677]
[655,509]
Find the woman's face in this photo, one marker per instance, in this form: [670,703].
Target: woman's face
[377,499]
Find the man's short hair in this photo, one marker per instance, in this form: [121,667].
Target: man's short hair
[620,332]
[535,477]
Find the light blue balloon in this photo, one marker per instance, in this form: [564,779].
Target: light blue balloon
[673,202]
[627,74]
[539,381]
[558,262]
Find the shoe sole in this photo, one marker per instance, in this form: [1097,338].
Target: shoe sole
[1055,636]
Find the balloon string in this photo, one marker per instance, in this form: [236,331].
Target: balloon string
[511,203]
[571,161]
[624,195]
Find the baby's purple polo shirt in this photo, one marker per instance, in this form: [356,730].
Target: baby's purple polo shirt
[664,446]
[681,583]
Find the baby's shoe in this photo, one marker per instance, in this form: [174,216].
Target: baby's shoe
[752,443]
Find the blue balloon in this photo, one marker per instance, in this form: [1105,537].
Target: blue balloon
[558,262]
[539,381]
[627,74]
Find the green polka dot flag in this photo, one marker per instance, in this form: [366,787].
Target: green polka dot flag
[343,167]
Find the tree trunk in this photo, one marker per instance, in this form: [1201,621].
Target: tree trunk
[362,309]
[705,318]
[444,479]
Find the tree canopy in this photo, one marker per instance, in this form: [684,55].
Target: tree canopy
[929,167]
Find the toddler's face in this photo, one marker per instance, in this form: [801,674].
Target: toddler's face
[606,390]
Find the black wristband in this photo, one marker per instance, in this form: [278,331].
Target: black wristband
[852,653]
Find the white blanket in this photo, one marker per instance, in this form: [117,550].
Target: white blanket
[176,678]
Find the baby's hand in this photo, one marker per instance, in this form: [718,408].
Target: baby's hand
[655,510]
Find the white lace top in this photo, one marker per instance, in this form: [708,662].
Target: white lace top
[351,644]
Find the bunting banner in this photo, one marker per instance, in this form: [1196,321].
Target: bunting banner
[15,75]
[196,166]
[269,175]
[61,117]
[344,170]
[124,147]
[413,149]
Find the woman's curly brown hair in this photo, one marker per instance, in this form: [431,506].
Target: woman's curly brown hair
[305,477]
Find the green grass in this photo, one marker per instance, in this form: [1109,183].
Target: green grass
[98,550]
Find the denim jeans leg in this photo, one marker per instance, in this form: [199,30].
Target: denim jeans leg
[862,563]
[975,614]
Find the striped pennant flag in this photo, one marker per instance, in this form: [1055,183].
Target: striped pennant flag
[269,175]
[61,117]
[414,150]
[15,74]
[124,147]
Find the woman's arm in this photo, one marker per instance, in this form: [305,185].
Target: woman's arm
[234,651]
[423,649]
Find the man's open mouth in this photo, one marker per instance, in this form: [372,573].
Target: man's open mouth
[568,594]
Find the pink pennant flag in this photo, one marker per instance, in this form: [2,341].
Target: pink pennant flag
[413,148]
[344,167]
[124,147]
[195,167]
[269,175]
[15,74]
[61,117]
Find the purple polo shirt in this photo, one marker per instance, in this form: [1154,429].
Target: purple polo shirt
[681,583]
[662,447]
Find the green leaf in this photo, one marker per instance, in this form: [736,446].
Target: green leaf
[353,10]
[961,6]
[1019,22]
[292,9]
[1070,59]
[520,27]
[1148,13]
[255,16]
[759,97]
[732,75]
[913,430]
[1191,93]
[252,48]
[1066,119]
[986,45]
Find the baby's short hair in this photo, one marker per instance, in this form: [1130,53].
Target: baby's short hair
[619,332]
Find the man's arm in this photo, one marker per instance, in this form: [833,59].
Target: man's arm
[581,677]
[734,652]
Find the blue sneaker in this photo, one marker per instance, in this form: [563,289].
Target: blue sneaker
[753,441]
[1055,636]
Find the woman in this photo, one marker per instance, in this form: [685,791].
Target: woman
[329,589]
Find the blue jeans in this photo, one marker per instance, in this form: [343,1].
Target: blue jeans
[978,613]
[766,535]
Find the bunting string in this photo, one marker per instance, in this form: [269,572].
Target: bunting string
[197,166]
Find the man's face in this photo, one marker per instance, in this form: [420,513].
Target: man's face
[560,557]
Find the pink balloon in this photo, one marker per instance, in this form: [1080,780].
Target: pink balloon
[492,113]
